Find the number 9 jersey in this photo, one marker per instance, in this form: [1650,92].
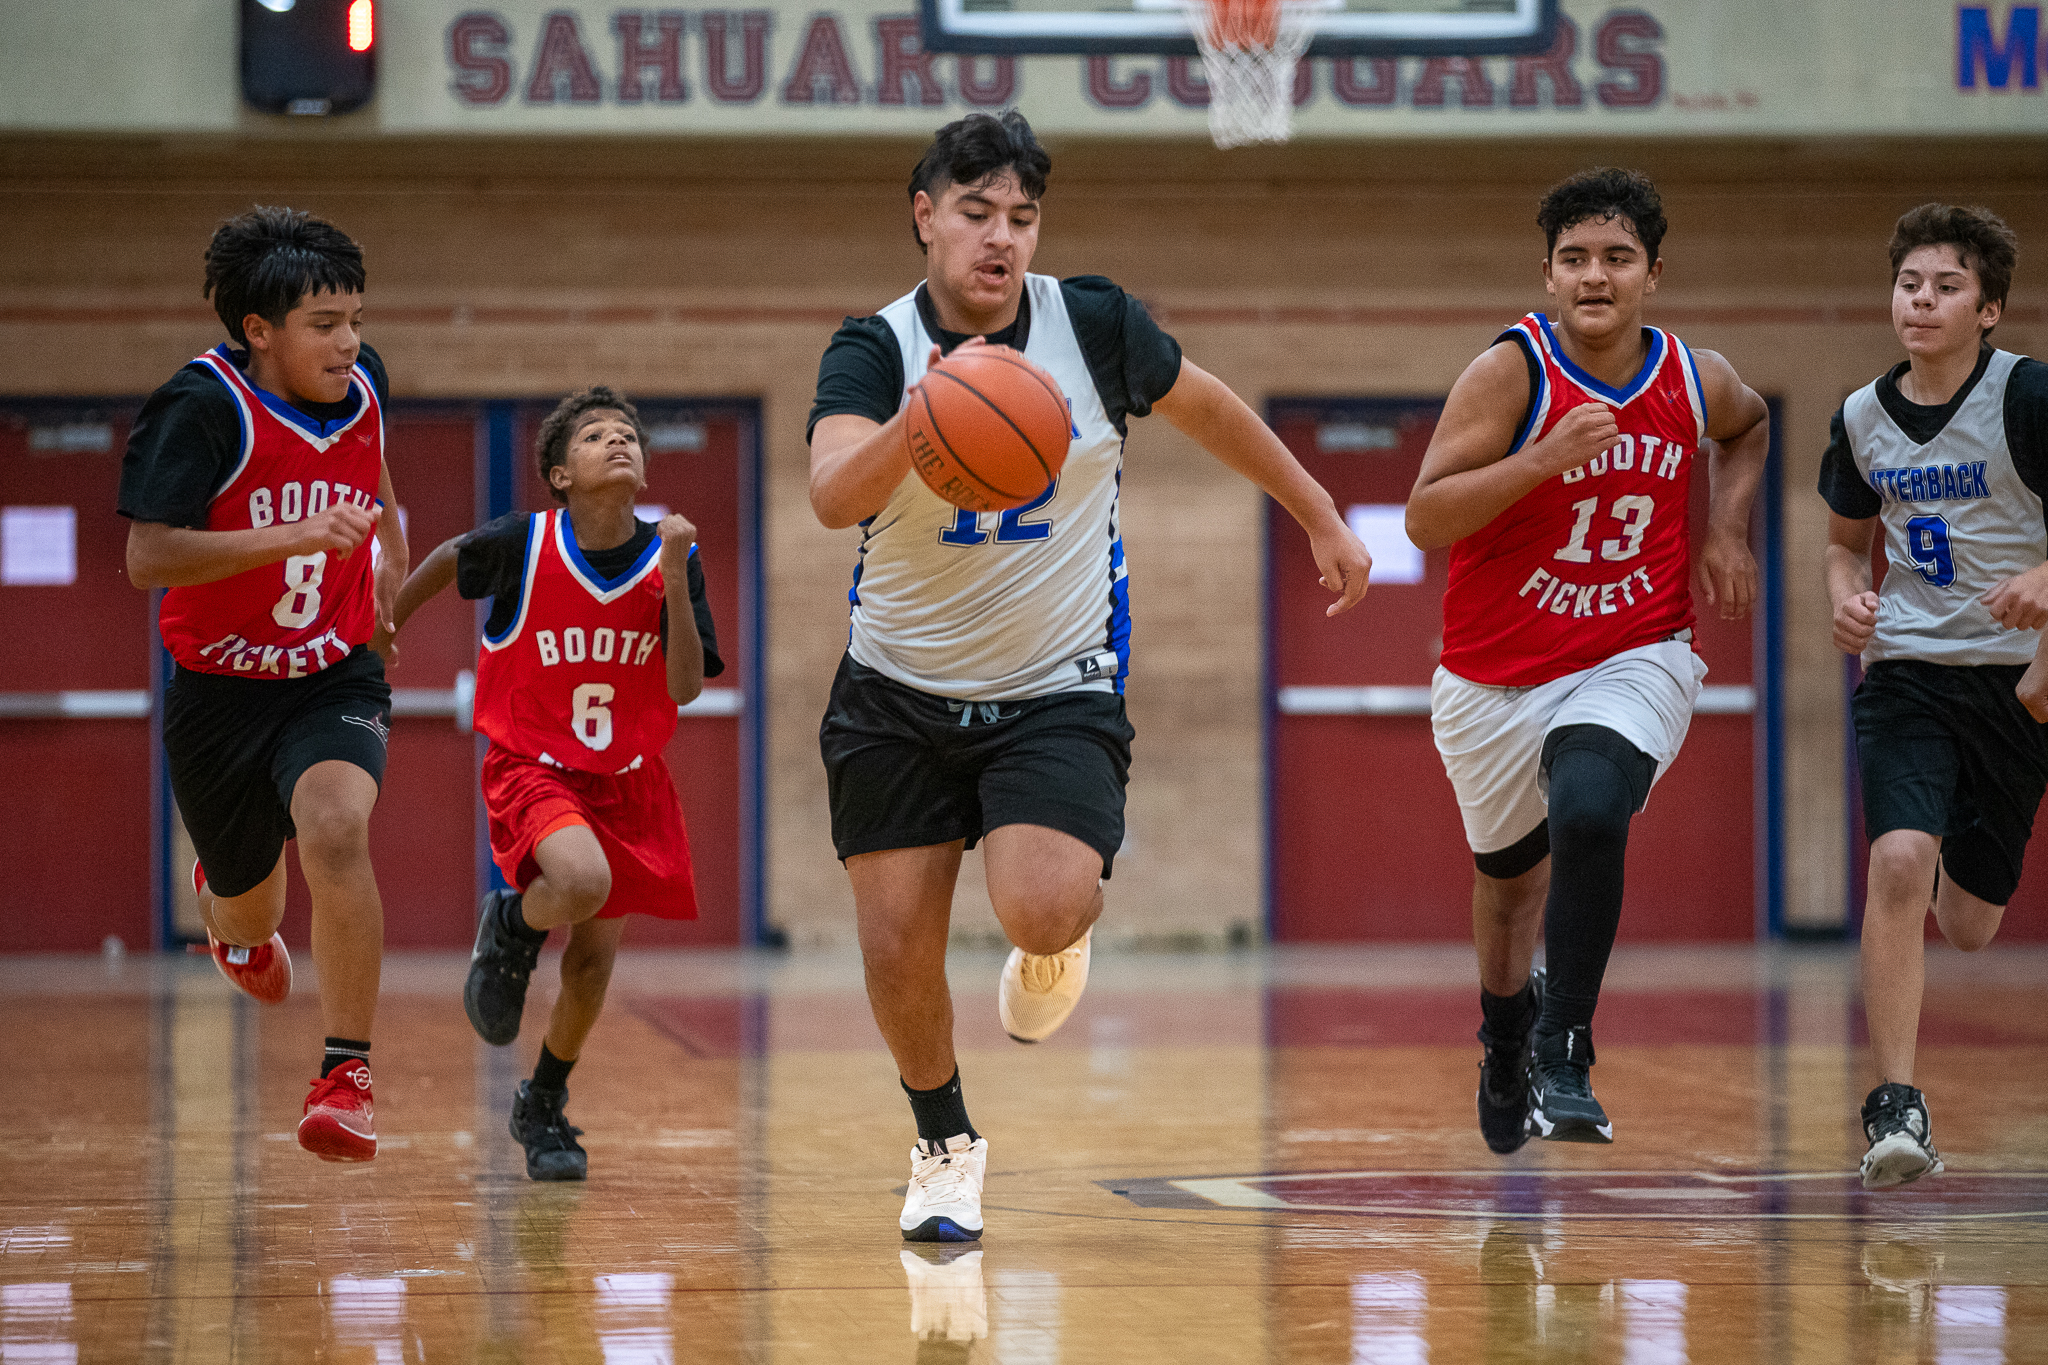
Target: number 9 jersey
[305,614]
[1594,561]
[579,679]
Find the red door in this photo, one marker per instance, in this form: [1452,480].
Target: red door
[74,685]
[1366,841]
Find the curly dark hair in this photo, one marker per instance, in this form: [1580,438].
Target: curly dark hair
[552,446]
[976,149]
[268,259]
[1603,193]
[1980,237]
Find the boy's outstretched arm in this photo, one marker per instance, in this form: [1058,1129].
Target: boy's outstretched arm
[434,574]
[161,556]
[685,650]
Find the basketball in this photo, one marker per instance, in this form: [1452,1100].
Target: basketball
[988,429]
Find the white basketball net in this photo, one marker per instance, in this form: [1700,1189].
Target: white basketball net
[1249,52]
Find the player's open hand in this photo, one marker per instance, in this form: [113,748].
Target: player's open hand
[677,536]
[1855,622]
[1579,435]
[1727,574]
[1346,566]
[340,529]
[2020,602]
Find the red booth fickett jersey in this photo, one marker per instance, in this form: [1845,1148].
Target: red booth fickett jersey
[579,678]
[295,618]
[1596,560]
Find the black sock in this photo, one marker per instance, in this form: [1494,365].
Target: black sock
[341,1051]
[1509,1016]
[941,1113]
[512,910]
[1597,781]
[551,1072]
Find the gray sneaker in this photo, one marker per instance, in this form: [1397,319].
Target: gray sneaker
[1901,1138]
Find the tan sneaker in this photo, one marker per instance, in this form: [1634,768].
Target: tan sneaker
[1038,993]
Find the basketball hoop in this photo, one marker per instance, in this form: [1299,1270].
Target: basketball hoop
[1249,52]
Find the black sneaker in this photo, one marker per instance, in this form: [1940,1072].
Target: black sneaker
[1504,1080]
[1901,1138]
[495,993]
[1561,1103]
[552,1151]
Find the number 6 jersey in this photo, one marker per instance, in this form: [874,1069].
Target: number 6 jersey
[1596,560]
[304,614]
[579,678]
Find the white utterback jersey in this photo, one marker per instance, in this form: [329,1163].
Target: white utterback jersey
[1002,606]
[1958,519]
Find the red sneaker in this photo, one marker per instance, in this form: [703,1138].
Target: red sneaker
[264,971]
[339,1125]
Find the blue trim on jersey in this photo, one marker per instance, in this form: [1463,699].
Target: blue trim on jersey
[529,560]
[285,412]
[1539,402]
[1699,390]
[1119,592]
[1635,386]
[241,420]
[580,566]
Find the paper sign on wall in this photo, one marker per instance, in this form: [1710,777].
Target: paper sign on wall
[38,546]
[1383,528]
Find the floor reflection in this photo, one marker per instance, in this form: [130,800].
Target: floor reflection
[948,1301]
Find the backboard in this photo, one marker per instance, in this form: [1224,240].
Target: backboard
[1355,28]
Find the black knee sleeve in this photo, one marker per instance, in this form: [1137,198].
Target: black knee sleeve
[1598,780]
[1506,864]
[1589,785]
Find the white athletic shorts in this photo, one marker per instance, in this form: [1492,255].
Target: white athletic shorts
[1491,738]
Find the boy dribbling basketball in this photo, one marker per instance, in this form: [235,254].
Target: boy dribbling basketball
[253,481]
[598,630]
[980,699]
[1949,449]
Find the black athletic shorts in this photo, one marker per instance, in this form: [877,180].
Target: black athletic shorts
[238,746]
[1948,749]
[906,769]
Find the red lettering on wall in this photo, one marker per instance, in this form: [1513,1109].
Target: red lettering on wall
[1553,68]
[903,62]
[561,60]
[1304,82]
[476,49]
[1106,90]
[753,77]
[1475,91]
[1184,84]
[822,74]
[662,54]
[997,89]
[1621,45]
[1381,84]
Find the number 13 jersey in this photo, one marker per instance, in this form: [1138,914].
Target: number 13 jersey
[579,679]
[305,614]
[1596,560]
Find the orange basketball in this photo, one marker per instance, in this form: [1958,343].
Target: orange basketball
[987,429]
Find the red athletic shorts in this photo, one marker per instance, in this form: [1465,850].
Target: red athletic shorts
[635,816]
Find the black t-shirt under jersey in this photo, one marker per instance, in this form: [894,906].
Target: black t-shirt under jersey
[1134,363]
[490,560]
[188,438]
[2026,433]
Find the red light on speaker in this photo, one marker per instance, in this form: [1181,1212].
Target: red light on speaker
[361,25]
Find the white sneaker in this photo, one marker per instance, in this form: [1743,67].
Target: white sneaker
[948,1301]
[943,1203]
[1038,993]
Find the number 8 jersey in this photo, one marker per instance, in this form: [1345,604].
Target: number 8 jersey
[297,617]
[579,679]
[1596,560]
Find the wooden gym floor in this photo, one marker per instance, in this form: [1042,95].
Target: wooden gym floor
[1268,1156]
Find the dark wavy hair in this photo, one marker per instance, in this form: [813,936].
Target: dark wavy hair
[552,446]
[1603,193]
[976,149]
[268,259]
[1979,236]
